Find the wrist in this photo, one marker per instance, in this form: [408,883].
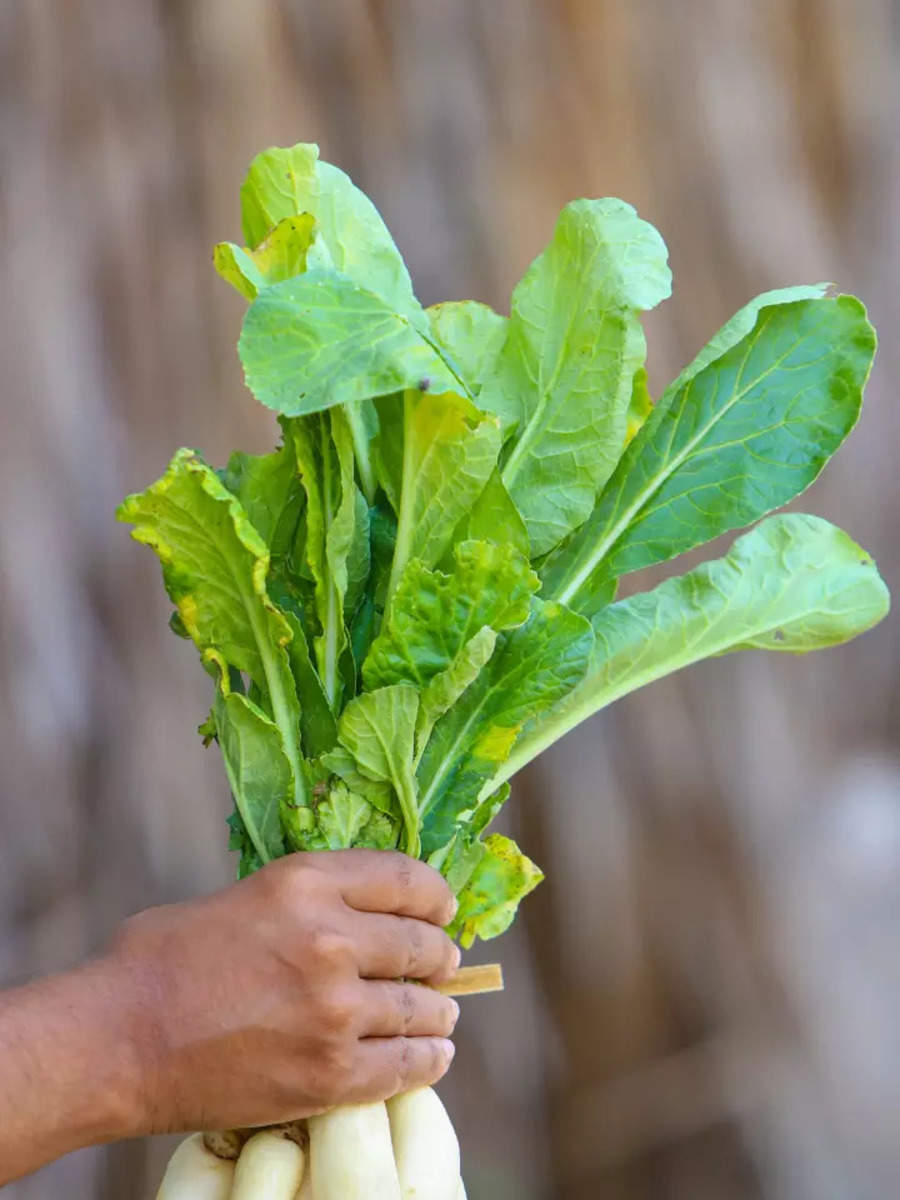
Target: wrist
[70,1071]
[119,1011]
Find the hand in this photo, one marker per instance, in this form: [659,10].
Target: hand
[278,997]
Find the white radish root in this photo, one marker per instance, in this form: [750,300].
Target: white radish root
[195,1173]
[461,1190]
[351,1155]
[425,1146]
[306,1189]
[271,1167]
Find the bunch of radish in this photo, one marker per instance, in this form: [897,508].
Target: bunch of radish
[415,593]
[405,1149]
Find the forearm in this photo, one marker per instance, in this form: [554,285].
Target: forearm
[68,1072]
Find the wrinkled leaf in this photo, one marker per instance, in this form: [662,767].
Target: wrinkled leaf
[563,380]
[284,181]
[435,453]
[322,339]
[341,817]
[378,729]
[282,254]
[488,902]
[794,583]
[536,666]
[472,335]
[379,792]
[432,614]
[445,688]
[214,567]
[257,769]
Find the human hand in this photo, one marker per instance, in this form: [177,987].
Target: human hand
[279,996]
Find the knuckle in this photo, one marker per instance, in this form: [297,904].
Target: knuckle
[287,883]
[326,949]
[340,1012]
[404,1064]
[406,1002]
[403,871]
[415,948]
[328,1080]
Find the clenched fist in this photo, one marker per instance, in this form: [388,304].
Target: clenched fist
[279,997]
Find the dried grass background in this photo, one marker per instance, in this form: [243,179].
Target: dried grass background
[702,1001]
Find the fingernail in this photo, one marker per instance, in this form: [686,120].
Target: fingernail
[449,1050]
[457,957]
[455,1011]
[454,909]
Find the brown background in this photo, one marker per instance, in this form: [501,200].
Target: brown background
[703,998]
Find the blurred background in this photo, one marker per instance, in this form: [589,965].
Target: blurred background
[703,998]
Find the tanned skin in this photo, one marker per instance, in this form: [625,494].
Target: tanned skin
[271,1000]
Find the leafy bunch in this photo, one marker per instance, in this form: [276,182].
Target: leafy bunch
[414,594]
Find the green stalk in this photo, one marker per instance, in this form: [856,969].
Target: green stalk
[356,421]
[405,516]
[280,712]
[406,794]
[330,633]
[600,549]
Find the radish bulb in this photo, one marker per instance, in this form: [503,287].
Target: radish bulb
[271,1167]
[425,1146]
[461,1190]
[351,1156]
[195,1173]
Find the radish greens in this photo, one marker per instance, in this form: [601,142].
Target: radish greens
[414,593]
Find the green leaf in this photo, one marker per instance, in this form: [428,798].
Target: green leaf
[378,833]
[472,335]
[284,181]
[322,339]
[268,488]
[379,793]
[640,406]
[239,840]
[214,568]
[564,378]
[317,721]
[445,688]
[742,436]
[433,615]
[435,453]
[488,902]
[537,665]
[494,518]
[378,729]
[794,583]
[458,858]
[280,255]
[742,323]
[257,768]
[342,817]
[346,819]
[335,542]
[358,561]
